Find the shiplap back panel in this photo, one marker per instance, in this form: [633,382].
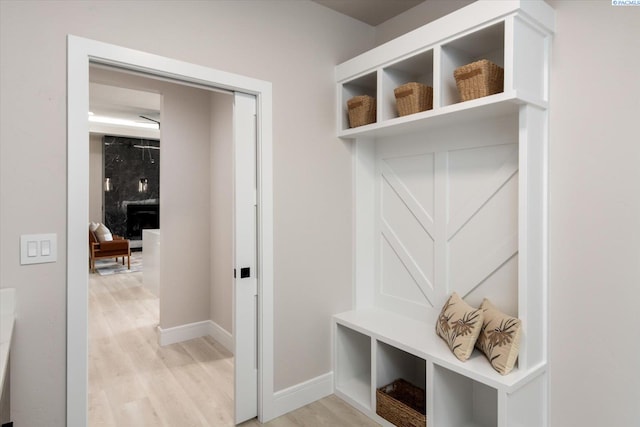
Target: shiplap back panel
[447,219]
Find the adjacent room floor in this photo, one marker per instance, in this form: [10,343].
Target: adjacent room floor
[135,382]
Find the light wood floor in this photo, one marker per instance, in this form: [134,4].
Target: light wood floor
[135,382]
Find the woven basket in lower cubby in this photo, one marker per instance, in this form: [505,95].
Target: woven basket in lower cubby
[478,79]
[402,404]
[362,110]
[413,97]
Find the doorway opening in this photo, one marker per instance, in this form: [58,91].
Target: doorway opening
[81,53]
[188,258]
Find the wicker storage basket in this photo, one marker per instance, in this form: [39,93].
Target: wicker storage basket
[413,97]
[478,79]
[402,404]
[362,110]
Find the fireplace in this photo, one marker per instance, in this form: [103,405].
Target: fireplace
[140,217]
[132,167]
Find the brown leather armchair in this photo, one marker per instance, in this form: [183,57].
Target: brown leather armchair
[118,247]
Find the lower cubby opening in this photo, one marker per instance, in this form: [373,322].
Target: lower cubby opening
[462,402]
[393,364]
[353,368]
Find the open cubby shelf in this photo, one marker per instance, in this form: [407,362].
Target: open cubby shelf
[449,199]
[463,401]
[353,378]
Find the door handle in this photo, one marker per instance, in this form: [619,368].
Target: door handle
[244,272]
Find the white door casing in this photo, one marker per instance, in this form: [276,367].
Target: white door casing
[80,53]
[245,289]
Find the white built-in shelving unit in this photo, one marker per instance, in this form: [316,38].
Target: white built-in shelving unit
[450,199]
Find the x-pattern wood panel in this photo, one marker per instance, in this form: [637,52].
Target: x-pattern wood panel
[487,190]
[497,187]
[485,207]
[415,205]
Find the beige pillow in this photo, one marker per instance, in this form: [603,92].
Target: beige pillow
[499,339]
[459,325]
[103,233]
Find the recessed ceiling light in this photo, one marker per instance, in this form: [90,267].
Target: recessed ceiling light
[122,122]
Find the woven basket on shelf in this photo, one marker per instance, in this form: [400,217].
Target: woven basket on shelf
[362,110]
[402,404]
[478,79]
[413,97]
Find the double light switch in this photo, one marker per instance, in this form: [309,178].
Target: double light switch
[38,248]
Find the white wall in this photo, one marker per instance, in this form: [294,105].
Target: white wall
[185,206]
[595,215]
[293,44]
[221,238]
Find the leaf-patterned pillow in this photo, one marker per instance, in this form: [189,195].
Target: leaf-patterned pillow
[499,339]
[459,325]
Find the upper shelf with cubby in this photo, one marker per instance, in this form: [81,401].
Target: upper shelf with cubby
[512,34]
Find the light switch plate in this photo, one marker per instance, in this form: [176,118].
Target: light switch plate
[45,245]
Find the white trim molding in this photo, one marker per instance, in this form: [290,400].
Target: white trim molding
[302,394]
[80,53]
[181,333]
[221,335]
[189,331]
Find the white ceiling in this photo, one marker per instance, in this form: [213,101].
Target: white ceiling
[123,103]
[114,102]
[372,12]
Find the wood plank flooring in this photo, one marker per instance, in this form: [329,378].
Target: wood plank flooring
[135,382]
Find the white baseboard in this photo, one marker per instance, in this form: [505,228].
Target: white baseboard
[302,394]
[221,335]
[183,332]
[195,330]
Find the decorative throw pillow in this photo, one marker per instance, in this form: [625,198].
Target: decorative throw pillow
[93,226]
[103,234]
[499,339]
[459,325]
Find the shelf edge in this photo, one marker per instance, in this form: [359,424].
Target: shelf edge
[505,102]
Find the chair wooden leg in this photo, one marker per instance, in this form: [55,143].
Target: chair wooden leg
[128,261]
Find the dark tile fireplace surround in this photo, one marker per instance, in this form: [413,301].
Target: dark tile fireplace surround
[131,205]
